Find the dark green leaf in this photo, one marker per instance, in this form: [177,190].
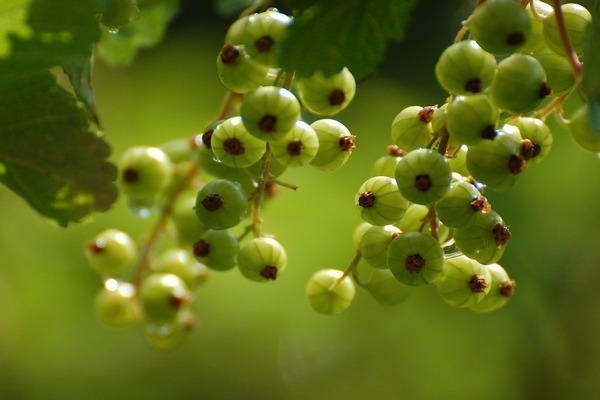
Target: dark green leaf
[79,71]
[350,33]
[231,8]
[590,82]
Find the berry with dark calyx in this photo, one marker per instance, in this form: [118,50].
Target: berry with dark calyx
[459,207]
[144,171]
[411,128]
[465,68]
[537,138]
[520,84]
[500,26]
[217,249]
[536,42]
[472,119]
[162,296]
[327,95]
[498,163]
[221,204]
[270,112]
[386,165]
[415,258]
[298,147]
[119,13]
[237,71]
[463,282]
[262,259]
[416,216]
[336,144]
[423,176]
[111,252]
[383,286]
[485,240]
[182,263]
[501,290]
[582,130]
[234,146]
[329,291]
[577,20]
[559,75]
[116,303]
[375,242]
[263,35]
[379,201]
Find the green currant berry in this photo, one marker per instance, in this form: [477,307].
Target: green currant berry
[178,150]
[379,202]
[536,42]
[501,290]
[116,304]
[415,220]
[162,296]
[520,84]
[423,176]
[166,336]
[383,286]
[498,163]
[582,130]
[182,263]
[500,26]
[144,171]
[327,95]
[463,282]
[119,13]
[465,68]
[218,250]
[559,75]
[270,112]
[221,204]
[359,232]
[411,129]
[234,146]
[375,242]
[298,147]
[237,71]
[336,144]
[188,227]
[236,33]
[263,34]
[577,19]
[458,161]
[537,138]
[111,252]
[329,291]
[262,259]
[386,165]
[415,258]
[459,207]
[472,119]
[485,240]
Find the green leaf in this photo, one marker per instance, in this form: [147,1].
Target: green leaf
[121,47]
[343,33]
[231,8]
[47,153]
[13,17]
[79,71]
[590,82]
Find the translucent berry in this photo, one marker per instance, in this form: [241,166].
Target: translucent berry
[232,145]
[559,75]
[459,207]
[336,144]
[187,226]
[116,303]
[237,71]
[359,232]
[537,138]
[262,259]
[165,336]
[264,34]
[182,263]
[577,19]
[472,119]
[423,176]
[329,292]
[221,204]
[374,244]
[463,282]
[485,240]
[111,252]
[536,42]
[217,249]
[327,95]
[162,296]
[298,147]
[379,202]
[144,171]
[582,130]
[383,286]
[411,128]
[415,258]
[386,165]
[501,290]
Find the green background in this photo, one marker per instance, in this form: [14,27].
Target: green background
[262,341]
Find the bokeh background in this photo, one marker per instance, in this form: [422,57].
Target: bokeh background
[262,341]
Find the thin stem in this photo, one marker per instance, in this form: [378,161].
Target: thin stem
[229,102]
[431,218]
[282,183]
[351,269]
[555,105]
[568,46]
[259,192]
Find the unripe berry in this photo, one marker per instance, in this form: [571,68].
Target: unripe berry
[329,292]
[383,286]
[379,202]
[463,282]
[262,259]
[144,171]
[111,252]
[237,71]
[234,146]
[582,130]
[327,95]
[411,128]
[162,296]
[116,304]
[485,240]
[221,204]
[336,144]
[423,176]
[217,249]
[501,290]
[577,19]
[374,244]
[415,258]
[472,119]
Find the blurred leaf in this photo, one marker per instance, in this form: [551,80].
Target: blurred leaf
[344,33]
[13,16]
[79,71]
[121,47]
[47,153]
[231,8]
[590,82]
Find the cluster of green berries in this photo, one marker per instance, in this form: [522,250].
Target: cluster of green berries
[208,190]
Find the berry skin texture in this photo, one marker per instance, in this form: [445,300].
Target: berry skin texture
[162,296]
[539,136]
[411,128]
[221,204]
[111,252]
[520,84]
[119,13]
[577,19]
[298,147]
[582,130]
[336,144]
[500,26]
[558,71]
[472,119]
[485,240]
[379,202]
[270,112]
[327,95]
[415,258]
[327,294]
[465,68]
[423,176]
[234,146]
[218,250]
[459,207]
[501,290]
[116,304]
[144,171]
[263,34]
[463,282]
[374,244]
[383,286]
[262,259]
[237,71]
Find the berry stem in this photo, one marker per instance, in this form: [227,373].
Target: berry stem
[431,218]
[555,105]
[231,100]
[259,192]
[564,36]
[351,269]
